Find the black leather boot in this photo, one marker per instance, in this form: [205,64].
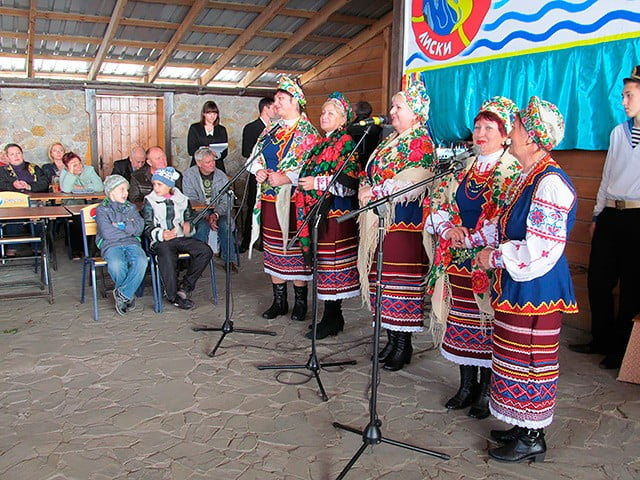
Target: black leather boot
[332,320]
[529,445]
[401,356]
[389,347]
[299,310]
[506,436]
[279,305]
[480,404]
[468,384]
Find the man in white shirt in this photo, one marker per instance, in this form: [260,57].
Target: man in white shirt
[615,231]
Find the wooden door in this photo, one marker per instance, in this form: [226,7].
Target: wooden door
[124,122]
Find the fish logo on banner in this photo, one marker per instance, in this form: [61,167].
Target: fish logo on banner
[444,28]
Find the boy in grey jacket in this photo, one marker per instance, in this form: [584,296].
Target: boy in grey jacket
[118,238]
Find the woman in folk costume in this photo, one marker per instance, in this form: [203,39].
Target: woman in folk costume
[532,288]
[337,242]
[403,158]
[457,209]
[277,169]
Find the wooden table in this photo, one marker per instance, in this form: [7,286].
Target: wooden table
[35,215]
[75,210]
[59,197]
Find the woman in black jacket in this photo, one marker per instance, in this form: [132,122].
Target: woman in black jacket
[206,132]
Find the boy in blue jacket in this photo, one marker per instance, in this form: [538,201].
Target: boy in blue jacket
[119,229]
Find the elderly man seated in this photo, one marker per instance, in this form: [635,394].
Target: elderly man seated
[135,161]
[141,179]
[201,183]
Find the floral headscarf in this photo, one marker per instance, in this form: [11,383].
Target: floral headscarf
[544,123]
[504,108]
[417,99]
[292,87]
[342,104]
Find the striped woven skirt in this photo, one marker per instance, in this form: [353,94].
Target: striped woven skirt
[525,368]
[287,265]
[466,340]
[337,259]
[403,271]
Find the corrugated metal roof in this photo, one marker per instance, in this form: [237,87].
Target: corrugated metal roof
[155,11]
[68,35]
[226,18]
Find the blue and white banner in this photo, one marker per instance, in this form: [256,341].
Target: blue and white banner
[573,53]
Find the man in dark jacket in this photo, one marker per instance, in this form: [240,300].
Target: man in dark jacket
[250,134]
[127,166]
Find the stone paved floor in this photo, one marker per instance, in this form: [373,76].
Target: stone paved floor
[137,397]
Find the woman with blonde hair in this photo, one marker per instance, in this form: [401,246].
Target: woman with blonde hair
[55,166]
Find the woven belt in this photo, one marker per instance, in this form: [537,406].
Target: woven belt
[622,204]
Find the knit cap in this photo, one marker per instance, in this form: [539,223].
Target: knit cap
[167,175]
[112,181]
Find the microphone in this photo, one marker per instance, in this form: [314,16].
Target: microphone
[276,126]
[456,161]
[373,121]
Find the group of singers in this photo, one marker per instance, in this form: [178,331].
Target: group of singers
[492,232]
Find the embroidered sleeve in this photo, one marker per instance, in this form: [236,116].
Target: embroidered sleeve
[392,185]
[485,236]
[546,233]
[439,223]
[322,182]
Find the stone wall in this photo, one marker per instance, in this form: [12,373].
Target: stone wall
[35,119]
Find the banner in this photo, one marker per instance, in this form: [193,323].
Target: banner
[572,53]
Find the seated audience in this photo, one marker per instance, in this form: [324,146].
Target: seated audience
[201,183]
[54,168]
[141,178]
[167,224]
[77,177]
[133,162]
[21,176]
[119,229]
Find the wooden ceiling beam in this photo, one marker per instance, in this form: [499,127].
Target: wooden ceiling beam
[257,25]
[31,32]
[116,16]
[306,29]
[14,12]
[186,24]
[237,7]
[355,43]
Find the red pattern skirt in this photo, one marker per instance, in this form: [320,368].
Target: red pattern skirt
[337,259]
[287,265]
[467,341]
[403,271]
[524,380]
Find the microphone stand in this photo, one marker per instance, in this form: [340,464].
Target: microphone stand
[227,327]
[313,364]
[372,433]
